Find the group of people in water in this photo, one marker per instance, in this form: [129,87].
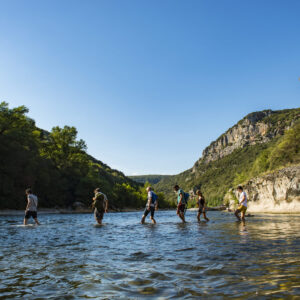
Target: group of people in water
[100,205]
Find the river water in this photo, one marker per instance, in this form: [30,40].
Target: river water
[69,257]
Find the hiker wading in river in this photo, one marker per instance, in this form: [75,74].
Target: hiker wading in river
[182,199]
[151,205]
[100,205]
[31,208]
[242,204]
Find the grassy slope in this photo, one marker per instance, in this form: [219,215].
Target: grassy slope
[216,177]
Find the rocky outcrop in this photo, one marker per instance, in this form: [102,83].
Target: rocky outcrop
[254,128]
[277,192]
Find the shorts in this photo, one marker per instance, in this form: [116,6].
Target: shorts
[201,209]
[30,213]
[98,214]
[152,210]
[181,207]
[242,208]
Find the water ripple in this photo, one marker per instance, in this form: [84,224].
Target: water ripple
[68,257]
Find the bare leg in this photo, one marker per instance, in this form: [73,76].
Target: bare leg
[153,220]
[205,217]
[36,221]
[143,219]
[25,221]
[181,215]
[198,216]
[98,216]
[237,214]
[98,220]
[243,216]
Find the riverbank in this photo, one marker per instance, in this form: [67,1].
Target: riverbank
[216,208]
[11,212]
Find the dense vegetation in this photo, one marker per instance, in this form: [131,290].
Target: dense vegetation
[152,179]
[55,164]
[216,177]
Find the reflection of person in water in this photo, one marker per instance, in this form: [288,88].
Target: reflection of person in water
[242,230]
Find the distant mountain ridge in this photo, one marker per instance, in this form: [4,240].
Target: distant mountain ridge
[257,127]
[152,179]
[247,149]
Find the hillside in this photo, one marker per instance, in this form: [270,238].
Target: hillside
[152,179]
[260,142]
[56,165]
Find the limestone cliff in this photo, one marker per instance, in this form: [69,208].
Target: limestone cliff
[257,127]
[261,142]
[277,192]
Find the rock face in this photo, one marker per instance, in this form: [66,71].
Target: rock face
[251,130]
[277,192]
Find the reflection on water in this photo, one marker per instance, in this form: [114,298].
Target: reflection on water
[70,257]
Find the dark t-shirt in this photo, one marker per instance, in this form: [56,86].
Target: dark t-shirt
[201,201]
[99,202]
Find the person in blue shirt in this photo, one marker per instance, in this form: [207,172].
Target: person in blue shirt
[151,206]
[181,202]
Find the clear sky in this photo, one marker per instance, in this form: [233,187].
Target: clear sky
[149,84]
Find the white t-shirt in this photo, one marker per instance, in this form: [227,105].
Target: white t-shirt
[242,197]
[32,202]
[150,197]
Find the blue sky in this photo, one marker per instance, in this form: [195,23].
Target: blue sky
[149,84]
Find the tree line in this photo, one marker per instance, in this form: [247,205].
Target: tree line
[57,167]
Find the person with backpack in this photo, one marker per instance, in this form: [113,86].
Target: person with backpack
[100,205]
[201,205]
[182,200]
[151,206]
[31,208]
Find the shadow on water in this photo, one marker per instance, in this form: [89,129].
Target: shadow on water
[71,257]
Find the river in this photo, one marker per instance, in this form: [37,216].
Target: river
[69,257]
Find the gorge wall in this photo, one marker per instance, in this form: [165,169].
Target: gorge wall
[277,192]
[260,143]
[257,127]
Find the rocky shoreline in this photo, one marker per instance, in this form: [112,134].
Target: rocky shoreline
[275,192]
[11,212]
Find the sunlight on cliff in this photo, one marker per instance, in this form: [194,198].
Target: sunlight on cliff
[273,207]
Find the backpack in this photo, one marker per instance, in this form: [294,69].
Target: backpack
[99,202]
[186,197]
[154,197]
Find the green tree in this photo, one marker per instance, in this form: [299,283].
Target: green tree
[55,164]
